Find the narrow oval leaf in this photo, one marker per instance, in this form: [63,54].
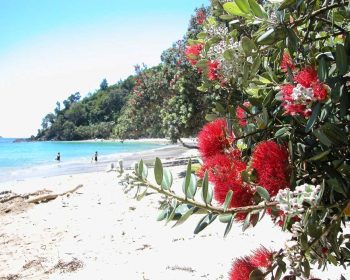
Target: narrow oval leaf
[205,186]
[141,195]
[243,5]
[163,214]
[257,9]
[319,156]
[228,199]
[204,222]
[229,225]
[281,132]
[187,180]
[256,274]
[185,216]
[263,193]
[167,179]
[233,9]
[315,113]
[246,223]
[225,218]
[341,59]
[247,45]
[286,4]
[158,171]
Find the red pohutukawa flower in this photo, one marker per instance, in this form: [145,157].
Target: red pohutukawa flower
[262,257]
[214,139]
[200,17]
[298,99]
[192,53]
[287,62]
[241,114]
[213,67]
[241,269]
[225,173]
[270,161]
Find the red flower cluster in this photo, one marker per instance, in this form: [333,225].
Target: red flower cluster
[241,114]
[200,17]
[225,166]
[214,139]
[287,63]
[192,53]
[213,67]
[242,267]
[297,99]
[270,162]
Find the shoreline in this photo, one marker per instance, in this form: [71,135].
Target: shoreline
[84,165]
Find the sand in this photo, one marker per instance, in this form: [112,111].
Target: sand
[101,232]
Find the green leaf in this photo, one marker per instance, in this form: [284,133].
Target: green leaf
[207,193]
[286,4]
[158,171]
[315,113]
[322,137]
[233,9]
[319,156]
[211,117]
[322,70]
[335,134]
[247,45]
[229,226]
[185,216]
[226,17]
[246,223]
[140,196]
[142,170]
[256,65]
[167,179]
[341,59]
[228,199]
[163,214]
[344,103]
[243,5]
[219,108]
[281,132]
[306,267]
[256,274]
[225,218]
[228,55]
[257,9]
[204,222]
[189,185]
[263,193]
[172,213]
[271,36]
[202,63]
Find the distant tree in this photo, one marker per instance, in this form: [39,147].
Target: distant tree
[48,120]
[104,84]
[58,108]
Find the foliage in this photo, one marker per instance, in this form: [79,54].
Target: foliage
[284,147]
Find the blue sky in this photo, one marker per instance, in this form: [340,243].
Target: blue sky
[50,49]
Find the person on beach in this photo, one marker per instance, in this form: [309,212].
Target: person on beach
[58,157]
[95,156]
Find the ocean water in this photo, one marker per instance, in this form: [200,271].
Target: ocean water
[24,159]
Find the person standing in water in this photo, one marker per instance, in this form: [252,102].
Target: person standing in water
[58,157]
[95,156]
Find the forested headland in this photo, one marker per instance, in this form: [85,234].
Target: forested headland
[161,101]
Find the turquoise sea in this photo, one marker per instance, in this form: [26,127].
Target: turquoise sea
[26,159]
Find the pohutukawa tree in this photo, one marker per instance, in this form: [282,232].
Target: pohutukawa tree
[279,143]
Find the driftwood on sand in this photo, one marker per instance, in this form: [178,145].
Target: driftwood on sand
[50,196]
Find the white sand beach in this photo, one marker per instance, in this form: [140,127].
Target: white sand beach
[101,232]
